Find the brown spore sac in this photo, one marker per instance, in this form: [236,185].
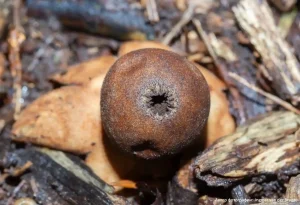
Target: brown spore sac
[154,103]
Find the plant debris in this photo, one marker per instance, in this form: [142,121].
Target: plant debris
[54,57]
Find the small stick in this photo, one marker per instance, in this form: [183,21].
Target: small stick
[15,39]
[16,172]
[19,171]
[34,186]
[205,39]
[15,191]
[274,98]
[125,184]
[40,53]
[186,18]
[152,10]
[222,70]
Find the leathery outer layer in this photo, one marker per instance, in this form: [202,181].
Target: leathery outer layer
[154,103]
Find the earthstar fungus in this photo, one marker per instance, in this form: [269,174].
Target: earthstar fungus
[154,103]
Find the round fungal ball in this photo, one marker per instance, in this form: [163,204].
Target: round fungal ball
[154,103]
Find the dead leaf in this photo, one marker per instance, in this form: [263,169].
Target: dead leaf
[67,119]
[84,72]
[108,163]
[220,122]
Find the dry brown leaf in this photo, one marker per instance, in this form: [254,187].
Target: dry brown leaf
[135,45]
[67,119]
[83,73]
[108,163]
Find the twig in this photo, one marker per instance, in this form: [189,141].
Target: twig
[205,39]
[125,184]
[16,172]
[186,18]
[15,39]
[274,98]
[40,53]
[34,186]
[15,191]
[19,171]
[222,71]
[152,10]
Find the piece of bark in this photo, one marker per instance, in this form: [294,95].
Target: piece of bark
[265,146]
[84,72]
[114,18]
[293,189]
[281,67]
[62,179]
[182,189]
[219,33]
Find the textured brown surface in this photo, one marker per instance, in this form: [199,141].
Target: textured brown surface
[266,145]
[220,122]
[144,128]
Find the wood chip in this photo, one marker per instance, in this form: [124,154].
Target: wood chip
[256,19]
[263,146]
